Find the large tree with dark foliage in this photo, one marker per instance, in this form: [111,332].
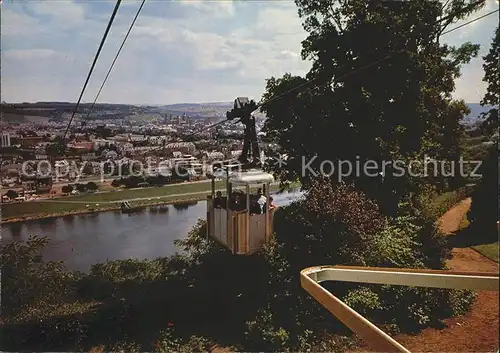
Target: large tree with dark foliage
[379,89]
[485,207]
[491,77]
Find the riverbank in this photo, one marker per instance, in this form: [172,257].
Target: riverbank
[103,202]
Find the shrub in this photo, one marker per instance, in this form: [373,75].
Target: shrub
[126,347]
[12,194]
[434,205]
[168,342]
[27,279]
[340,226]
[67,189]
[207,290]
[132,181]
[39,305]
[81,187]
[485,207]
[91,186]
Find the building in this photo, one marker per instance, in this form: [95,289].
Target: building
[38,184]
[61,168]
[83,147]
[183,147]
[213,156]
[98,143]
[31,141]
[6,140]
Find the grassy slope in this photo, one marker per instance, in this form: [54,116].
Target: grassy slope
[490,250]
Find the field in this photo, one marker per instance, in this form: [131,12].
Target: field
[21,118]
[109,200]
[488,250]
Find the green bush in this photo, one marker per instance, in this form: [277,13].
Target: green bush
[126,347]
[434,205]
[12,194]
[485,206]
[26,278]
[168,342]
[460,301]
[67,189]
[255,301]
[91,186]
[328,228]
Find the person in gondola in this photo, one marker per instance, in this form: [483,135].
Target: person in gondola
[255,207]
[219,201]
[261,200]
[238,203]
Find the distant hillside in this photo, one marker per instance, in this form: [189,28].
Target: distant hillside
[199,110]
[198,105]
[194,110]
[475,111]
[202,110]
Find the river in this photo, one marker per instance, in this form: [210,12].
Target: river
[83,240]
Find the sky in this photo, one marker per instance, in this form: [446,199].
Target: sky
[178,52]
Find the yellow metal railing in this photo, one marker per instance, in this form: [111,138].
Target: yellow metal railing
[310,279]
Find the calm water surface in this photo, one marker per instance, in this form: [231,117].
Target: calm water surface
[83,240]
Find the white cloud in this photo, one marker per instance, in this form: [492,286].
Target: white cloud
[16,25]
[218,9]
[66,13]
[279,21]
[213,51]
[29,54]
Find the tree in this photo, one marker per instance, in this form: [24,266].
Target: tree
[12,194]
[491,74]
[340,226]
[26,278]
[485,206]
[81,187]
[67,189]
[91,186]
[132,181]
[180,174]
[55,149]
[379,90]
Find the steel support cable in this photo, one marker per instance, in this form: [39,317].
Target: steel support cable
[307,83]
[192,134]
[402,51]
[116,58]
[369,65]
[96,57]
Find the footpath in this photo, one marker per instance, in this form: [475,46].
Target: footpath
[476,331]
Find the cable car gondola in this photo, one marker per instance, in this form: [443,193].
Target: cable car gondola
[240,226]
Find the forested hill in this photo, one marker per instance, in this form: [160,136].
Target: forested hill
[194,110]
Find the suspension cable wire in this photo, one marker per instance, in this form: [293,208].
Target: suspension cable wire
[469,22]
[307,83]
[391,55]
[96,57]
[224,121]
[192,134]
[116,58]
